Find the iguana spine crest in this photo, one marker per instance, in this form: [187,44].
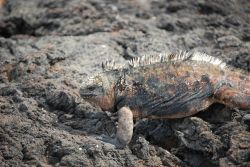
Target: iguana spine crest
[165,57]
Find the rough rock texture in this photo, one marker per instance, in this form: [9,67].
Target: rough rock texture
[48,49]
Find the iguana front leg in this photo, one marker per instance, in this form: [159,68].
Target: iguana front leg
[124,129]
[232,97]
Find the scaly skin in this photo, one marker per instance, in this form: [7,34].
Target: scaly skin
[169,89]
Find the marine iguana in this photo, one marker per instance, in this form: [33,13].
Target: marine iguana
[166,87]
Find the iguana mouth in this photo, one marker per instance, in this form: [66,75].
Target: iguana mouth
[87,95]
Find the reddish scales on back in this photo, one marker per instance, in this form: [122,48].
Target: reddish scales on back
[167,86]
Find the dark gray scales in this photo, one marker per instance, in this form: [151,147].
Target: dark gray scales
[153,98]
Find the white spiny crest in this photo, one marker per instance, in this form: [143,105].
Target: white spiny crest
[176,57]
[166,57]
[198,56]
[180,56]
[152,59]
[111,65]
[147,59]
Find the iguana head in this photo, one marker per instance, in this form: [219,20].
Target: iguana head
[100,90]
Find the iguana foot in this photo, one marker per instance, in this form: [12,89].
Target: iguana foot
[107,139]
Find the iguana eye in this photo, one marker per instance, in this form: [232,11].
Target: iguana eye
[91,88]
[91,91]
[94,89]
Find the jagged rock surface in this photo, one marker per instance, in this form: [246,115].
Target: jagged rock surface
[49,48]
